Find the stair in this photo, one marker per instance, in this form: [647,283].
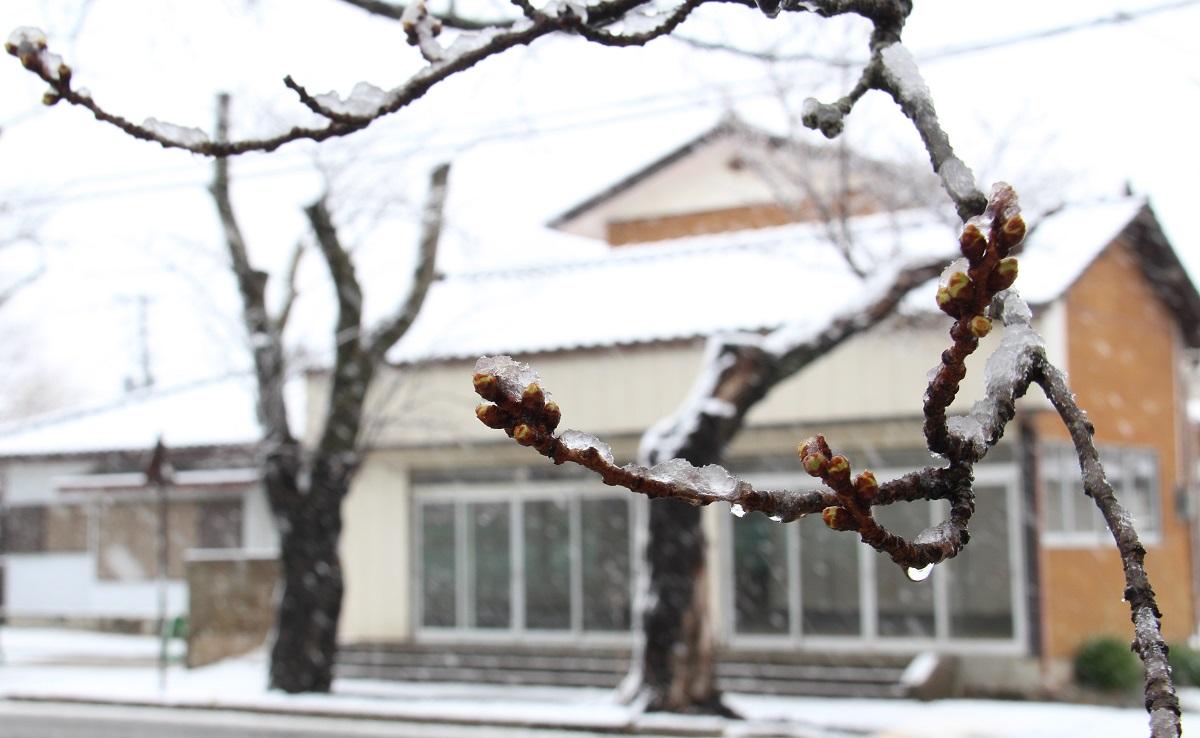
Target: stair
[772,672]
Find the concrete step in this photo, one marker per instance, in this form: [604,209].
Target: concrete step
[766,672]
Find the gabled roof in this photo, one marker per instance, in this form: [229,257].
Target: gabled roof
[746,281]
[213,413]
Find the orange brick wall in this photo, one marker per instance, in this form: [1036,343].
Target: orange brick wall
[1121,346]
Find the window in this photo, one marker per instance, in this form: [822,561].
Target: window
[549,564]
[127,546]
[803,581]
[1070,517]
[45,529]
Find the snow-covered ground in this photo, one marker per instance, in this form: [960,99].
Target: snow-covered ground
[70,665]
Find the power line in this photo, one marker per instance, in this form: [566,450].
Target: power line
[515,128]
[1117,18]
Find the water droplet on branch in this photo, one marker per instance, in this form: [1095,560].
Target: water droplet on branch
[919,575]
[737,510]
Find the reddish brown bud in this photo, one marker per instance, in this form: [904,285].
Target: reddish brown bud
[837,518]
[487,386]
[957,285]
[552,415]
[10,47]
[815,463]
[839,468]
[525,435]
[866,486]
[972,243]
[814,445]
[946,302]
[50,97]
[1005,274]
[1012,233]
[492,416]
[533,397]
[980,326]
[64,73]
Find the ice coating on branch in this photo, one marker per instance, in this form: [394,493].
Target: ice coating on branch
[712,480]
[958,179]
[958,265]
[969,429]
[579,441]
[514,376]
[902,71]
[181,135]
[364,99]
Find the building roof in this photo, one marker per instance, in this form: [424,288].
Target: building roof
[214,413]
[745,281]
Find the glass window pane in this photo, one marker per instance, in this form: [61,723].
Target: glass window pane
[1087,517]
[606,575]
[1143,491]
[759,575]
[905,607]
[979,579]
[547,565]
[1052,473]
[437,566]
[828,580]
[489,564]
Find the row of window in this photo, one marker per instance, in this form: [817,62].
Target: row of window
[1070,516]
[539,564]
[126,533]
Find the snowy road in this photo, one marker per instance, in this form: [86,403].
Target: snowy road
[65,720]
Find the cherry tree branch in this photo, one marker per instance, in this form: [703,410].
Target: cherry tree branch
[391,331]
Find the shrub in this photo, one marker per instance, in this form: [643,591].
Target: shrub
[1185,665]
[1107,664]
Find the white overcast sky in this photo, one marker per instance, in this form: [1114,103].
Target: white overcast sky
[1067,117]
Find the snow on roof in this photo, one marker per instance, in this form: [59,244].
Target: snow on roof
[696,286]
[213,413]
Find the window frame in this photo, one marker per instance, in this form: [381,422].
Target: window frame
[516,493]
[1058,467]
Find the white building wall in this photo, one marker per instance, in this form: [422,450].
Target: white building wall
[64,585]
[31,482]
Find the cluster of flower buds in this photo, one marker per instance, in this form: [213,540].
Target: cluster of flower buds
[29,46]
[965,293]
[529,420]
[855,493]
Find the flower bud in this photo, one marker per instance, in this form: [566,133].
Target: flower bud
[50,97]
[492,416]
[487,386]
[866,486]
[10,48]
[533,397]
[946,302]
[1004,275]
[972,242]
[552,415]
[980,326]
[1011,233]
[525,435]
[837,518]
[957,285]
[839,468]
[815,463]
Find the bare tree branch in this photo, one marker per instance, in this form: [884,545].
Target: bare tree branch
[390,332]
[265,341]
[291,291]
[395,11]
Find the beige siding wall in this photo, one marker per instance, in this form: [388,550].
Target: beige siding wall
[615,394]
[375,553]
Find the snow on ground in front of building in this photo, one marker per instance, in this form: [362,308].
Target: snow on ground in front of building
[51,664]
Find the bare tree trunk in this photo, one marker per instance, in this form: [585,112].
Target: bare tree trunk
[310,604]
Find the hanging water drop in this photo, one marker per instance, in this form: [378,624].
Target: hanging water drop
[776,519]
[919,575]
[737,510]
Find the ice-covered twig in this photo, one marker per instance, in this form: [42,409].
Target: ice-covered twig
[447,19]
[1161,700]
[519,405]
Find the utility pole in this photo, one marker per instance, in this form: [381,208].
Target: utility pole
[158,476]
